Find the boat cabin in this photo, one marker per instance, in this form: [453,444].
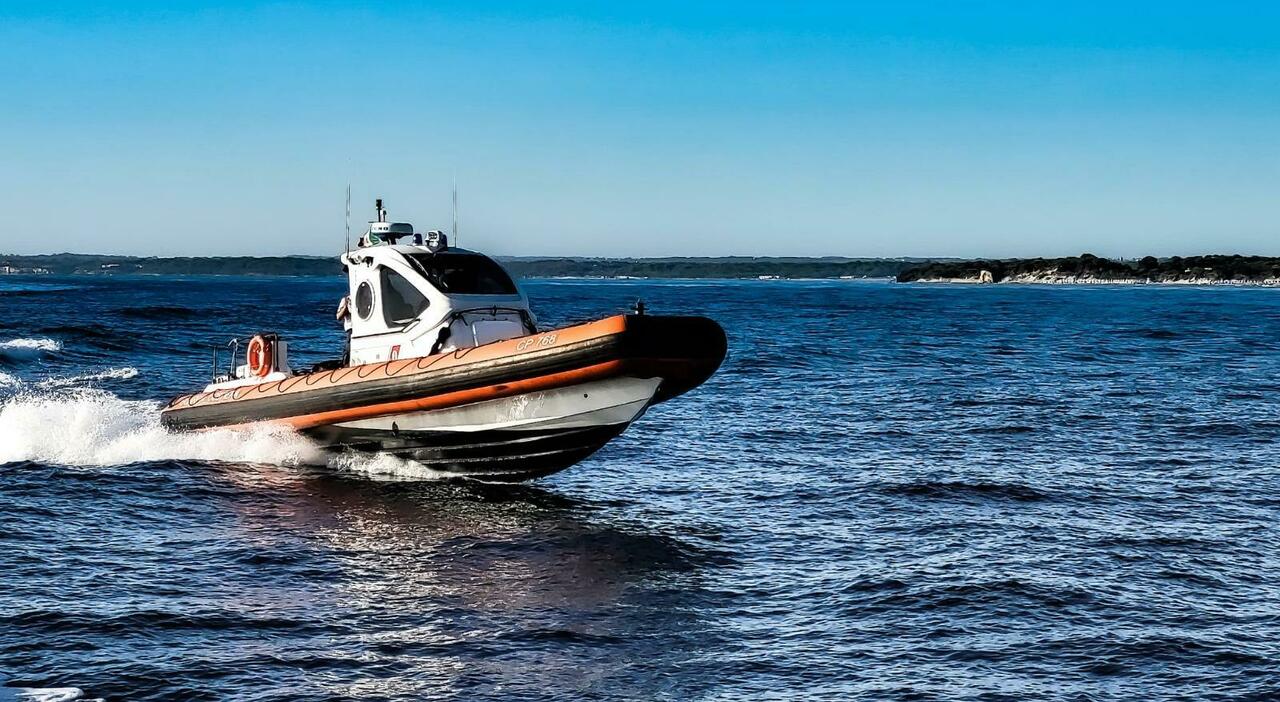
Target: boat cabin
[411,295]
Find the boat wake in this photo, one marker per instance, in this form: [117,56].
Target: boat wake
[71,420]
[90,427]
[93,427]
[385,467]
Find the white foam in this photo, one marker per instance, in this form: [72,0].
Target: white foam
[111,374]
[384,467]
[92,427]
[29,348]
[42,694]
[37,344]
[12,381]
[89,427]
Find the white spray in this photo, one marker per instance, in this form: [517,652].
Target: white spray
[92,427]
[67,421]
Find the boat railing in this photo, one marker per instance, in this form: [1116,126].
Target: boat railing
[234,346]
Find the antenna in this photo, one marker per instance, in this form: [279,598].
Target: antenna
[348,241]
[455,211]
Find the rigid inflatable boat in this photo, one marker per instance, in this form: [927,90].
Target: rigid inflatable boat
[445,366]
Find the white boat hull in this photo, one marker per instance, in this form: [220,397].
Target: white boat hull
[613,401]
[511,438]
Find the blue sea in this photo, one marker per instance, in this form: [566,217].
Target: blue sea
[888,492]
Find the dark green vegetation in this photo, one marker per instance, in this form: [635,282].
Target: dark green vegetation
[1085,266]
[722,267]
[66,264]
[525,267]
[1244,269]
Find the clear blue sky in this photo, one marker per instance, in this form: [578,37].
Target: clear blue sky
[655,128]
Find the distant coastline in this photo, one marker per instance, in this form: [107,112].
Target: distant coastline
[1074,270]
[1089,269]
[525,267]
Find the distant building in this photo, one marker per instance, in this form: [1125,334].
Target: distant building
[10,269]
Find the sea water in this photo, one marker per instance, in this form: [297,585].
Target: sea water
[887,492]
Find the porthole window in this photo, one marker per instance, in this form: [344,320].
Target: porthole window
[364,300]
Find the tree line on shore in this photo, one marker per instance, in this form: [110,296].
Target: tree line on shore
[524,267]
[1219,268]
[1086,266]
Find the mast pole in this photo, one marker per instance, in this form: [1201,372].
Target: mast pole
[347,242]
[455,210]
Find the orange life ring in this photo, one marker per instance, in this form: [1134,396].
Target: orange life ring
[259,357]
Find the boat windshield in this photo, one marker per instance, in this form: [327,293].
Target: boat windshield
[464,274]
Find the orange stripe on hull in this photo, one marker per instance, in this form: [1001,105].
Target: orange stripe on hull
[532,345]
[599,371]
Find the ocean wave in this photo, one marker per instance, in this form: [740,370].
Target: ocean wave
[981,594]
[60,621]
[110,374]
[961,489]
[1003,429]
[158,312]
[38,344]
[1151,333]
[32,288]
[42,694]
[25,349]
[1211,430]
[96,335]
[12,382]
